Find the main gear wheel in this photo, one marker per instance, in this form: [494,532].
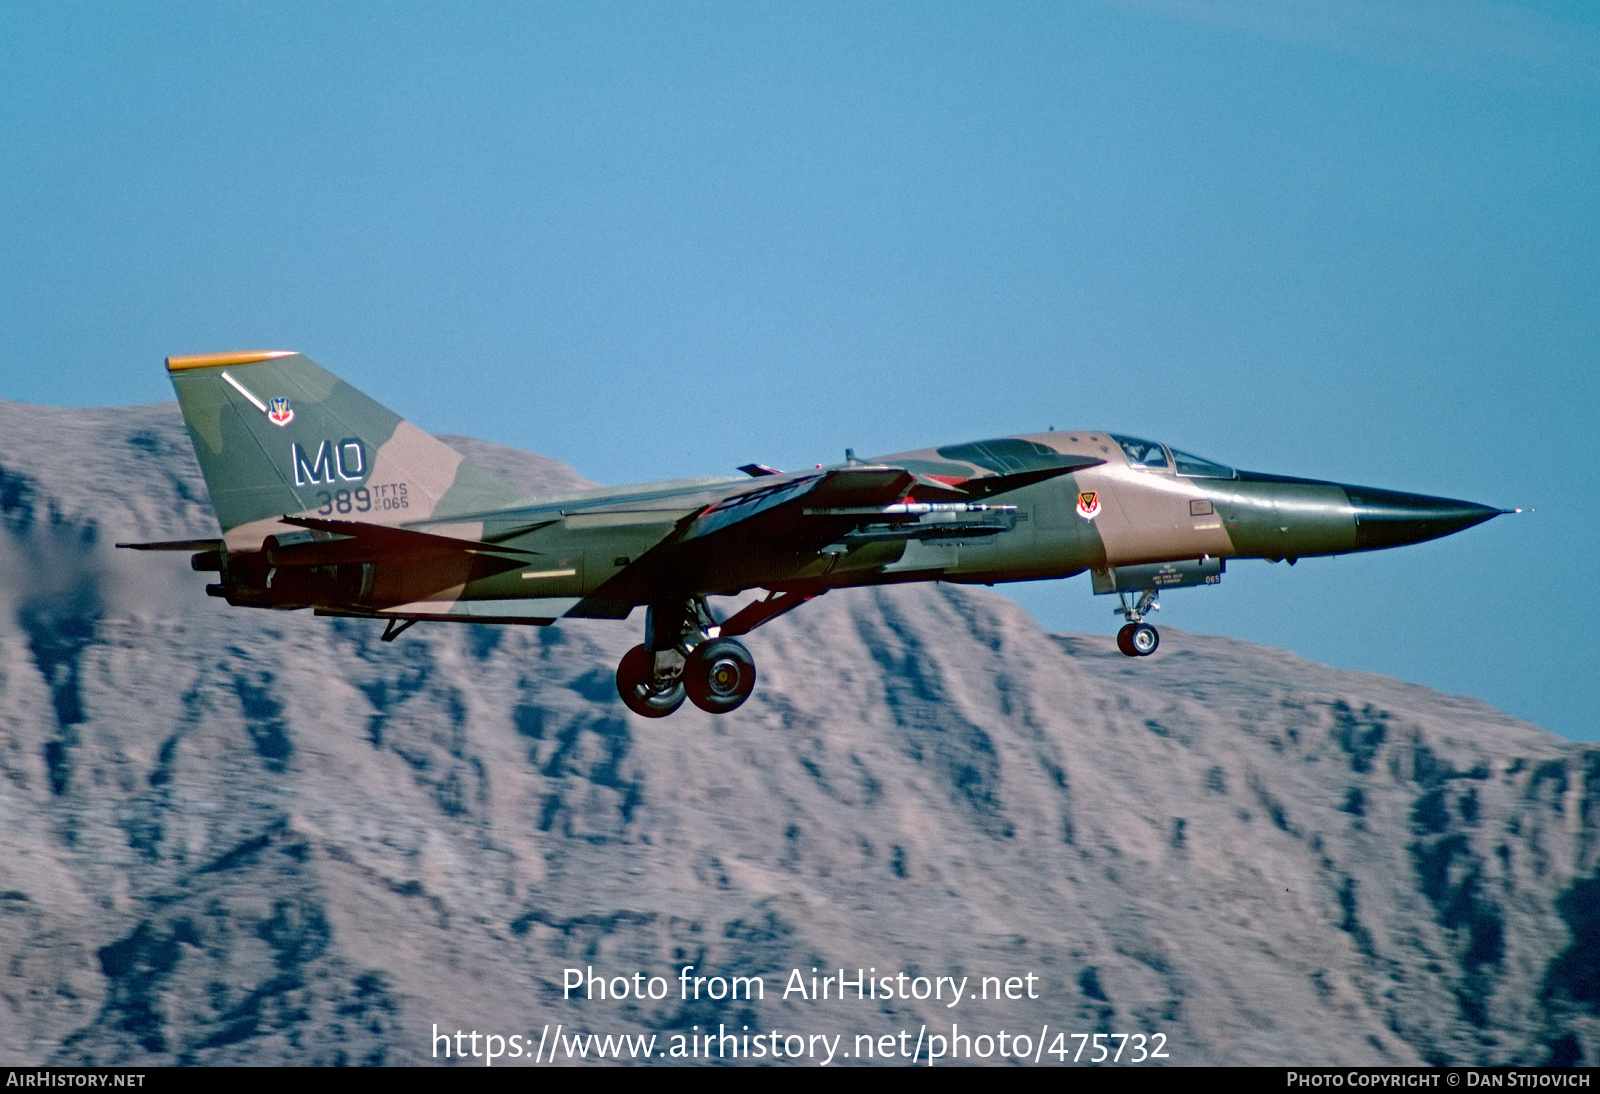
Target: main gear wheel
[720,675]
[645,690]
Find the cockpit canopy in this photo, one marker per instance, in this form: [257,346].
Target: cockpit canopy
[1158,457]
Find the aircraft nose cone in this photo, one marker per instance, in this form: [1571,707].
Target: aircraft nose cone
[1387,518]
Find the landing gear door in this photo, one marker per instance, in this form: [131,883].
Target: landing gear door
[1157,576]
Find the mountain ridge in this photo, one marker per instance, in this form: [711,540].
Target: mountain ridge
[248,837]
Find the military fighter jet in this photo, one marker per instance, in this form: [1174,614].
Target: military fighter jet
[329,501]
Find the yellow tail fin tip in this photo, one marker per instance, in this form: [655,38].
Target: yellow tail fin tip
[238,357]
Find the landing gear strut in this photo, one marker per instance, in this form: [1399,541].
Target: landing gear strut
[683,655]
[1138,638]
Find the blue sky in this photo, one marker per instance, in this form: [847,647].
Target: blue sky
[1354,241]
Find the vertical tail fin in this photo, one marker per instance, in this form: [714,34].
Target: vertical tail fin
[276,434]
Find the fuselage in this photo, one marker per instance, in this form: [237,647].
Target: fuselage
[328,500]
[1142,516]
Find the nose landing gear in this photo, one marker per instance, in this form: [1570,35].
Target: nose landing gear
[1138,638]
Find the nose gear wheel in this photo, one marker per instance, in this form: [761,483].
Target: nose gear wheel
[1122,641]
[1137,638]
[1144,639]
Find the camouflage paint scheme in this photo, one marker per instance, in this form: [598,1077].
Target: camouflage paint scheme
[330,501]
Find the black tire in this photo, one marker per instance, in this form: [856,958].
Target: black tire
[636,683]
[720,675]
[1144,639]
[1125,640]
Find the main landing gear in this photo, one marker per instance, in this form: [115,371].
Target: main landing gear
[1138,638]
[688,654]
[717,676]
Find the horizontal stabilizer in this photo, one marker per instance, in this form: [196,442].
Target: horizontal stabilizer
[540,612]
[402,540]
[175,545]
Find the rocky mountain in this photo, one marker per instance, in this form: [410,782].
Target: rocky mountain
[237,836]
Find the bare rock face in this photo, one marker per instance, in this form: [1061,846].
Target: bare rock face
[238,836]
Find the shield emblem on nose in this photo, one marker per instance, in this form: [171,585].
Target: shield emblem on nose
[1089,504]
